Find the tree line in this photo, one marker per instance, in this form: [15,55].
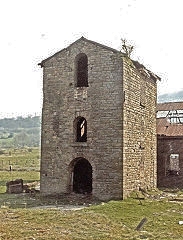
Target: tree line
[20,132]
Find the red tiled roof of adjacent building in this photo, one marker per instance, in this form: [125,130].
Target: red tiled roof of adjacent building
[164,125]
[168,106]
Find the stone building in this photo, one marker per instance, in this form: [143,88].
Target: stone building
[170,145]
[98,122]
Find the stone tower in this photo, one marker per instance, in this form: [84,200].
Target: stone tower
[98,122]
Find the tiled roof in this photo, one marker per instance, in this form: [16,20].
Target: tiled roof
[170,106]
[164,127]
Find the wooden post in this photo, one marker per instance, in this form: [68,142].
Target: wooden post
[11,172]
[141,224]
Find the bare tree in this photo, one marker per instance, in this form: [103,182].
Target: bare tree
[126,47]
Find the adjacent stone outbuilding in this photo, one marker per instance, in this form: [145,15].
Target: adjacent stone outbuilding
[98,122]
[170,144]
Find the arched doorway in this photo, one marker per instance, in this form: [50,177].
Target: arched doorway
[82,176]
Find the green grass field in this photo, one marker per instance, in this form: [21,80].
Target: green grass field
[19,219]
[112,220]
[25,164]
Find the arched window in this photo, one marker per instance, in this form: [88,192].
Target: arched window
[81,65]
[80,125]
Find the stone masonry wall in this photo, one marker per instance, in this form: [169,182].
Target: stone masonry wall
[119,106]
[100,104]
[139,130]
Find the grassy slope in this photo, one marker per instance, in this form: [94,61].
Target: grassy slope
[113,220]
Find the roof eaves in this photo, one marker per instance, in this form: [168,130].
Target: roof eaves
[84,39]
[45,60]
[145,71]
[101,45]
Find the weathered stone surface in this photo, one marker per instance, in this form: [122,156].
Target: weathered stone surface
[15,186]
[119,106]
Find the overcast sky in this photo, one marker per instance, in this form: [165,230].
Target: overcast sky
[32,30]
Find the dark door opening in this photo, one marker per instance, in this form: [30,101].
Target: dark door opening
[82,177]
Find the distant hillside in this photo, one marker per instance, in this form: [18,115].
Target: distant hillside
[20,122]
[20,132]
[171,97]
